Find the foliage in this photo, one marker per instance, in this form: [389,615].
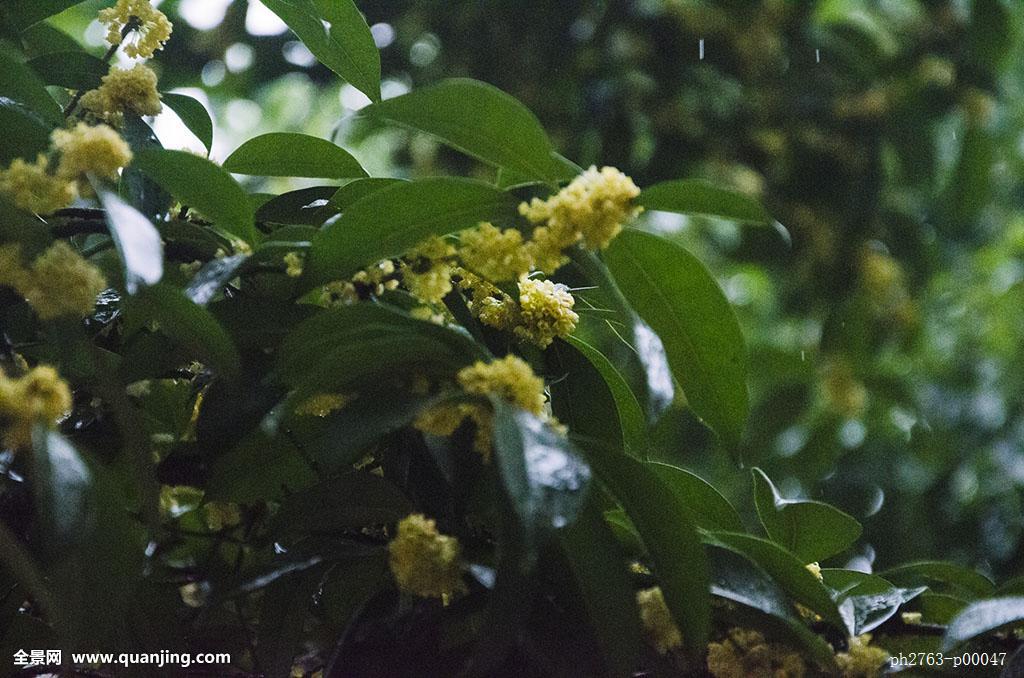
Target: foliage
[303,427]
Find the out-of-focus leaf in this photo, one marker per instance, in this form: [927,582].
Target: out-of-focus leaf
[73,69]
[284,154]
[970,186]
[258,469]
[388,222]
[286,604]
[345,44]
[982,616]
[991,33]
[349,501]
[673,292]
[692,196]
[201,184]
[138,242]
[193,114]
[479,120]
[810,529]
[211,278]
[708,508]
[20,83]
[866,601]
[24,13]
[26,134]
[961,579]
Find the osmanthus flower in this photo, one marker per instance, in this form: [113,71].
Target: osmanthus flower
[293,264]
[861,660]
[495,254]
[322,404]
[427,269]
[132,90]
[151,29]
[58,283]
[591,209]
[545,312]
[423,561]
[40,396]
[659,627]
[88,149]
[744,653]
[33,188]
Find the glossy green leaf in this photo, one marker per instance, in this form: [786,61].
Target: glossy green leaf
[388,222]
[201,184]
[210,280]
[668,532]
[76,70]
[692,196]
[135,188]
[581,399]
[961,579]
[283,154]
[190,326]
[25,133]
[866,601]
[193,114]
[479,120]
[785,569]
[304,206]
[20,83]
[344,45]
[939,608]
[709,509]
[137,240]
[981,617]
[354,191]
[24,13]
[673,292]
[810,529]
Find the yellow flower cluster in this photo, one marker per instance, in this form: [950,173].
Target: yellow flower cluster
[545,312]
[39,396]
[322,404]
[861,660]
[374,280]
[815,569]
[59,282]
[744,653]
[592,208]
[293,264]
[427,270]
[33,188]
[87,149]
[495,254]
[661,630]
[151,28]
[131,90]
[221,514]
[423,561]
[443,420]
[510,378]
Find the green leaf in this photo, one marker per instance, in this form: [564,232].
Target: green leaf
[201,184]
[283,154]
[24,13]
[673,292]
[136,188]
[983,616]
[692,196]
[258,469]
[785,569]
[961,579]
[25,133]
[349,501]
[193,114]
[74,69]
[668,532]
[939,608]
[212,277]
[709,509]
[479,120]
[866,601]
[20,83]
[345,46]
[285,606]
[137,240]
[189,325]
[388,222]
[810,529]
[302,207]
[991,34]
[354,191]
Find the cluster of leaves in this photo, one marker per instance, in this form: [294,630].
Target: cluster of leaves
[203,512]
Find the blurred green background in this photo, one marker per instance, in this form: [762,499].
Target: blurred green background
[884,324]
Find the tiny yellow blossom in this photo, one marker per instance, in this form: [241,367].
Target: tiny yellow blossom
[338,293]
[423,561]
[510,378]
[63,283]
[293,264]
[495,254]
[12,270]
[151,28]
[40,396]
[322,404]
[123,91]
[427,270]
[32,188]
[545,312]
[661,630]
[844,393]
[219,515]
[177,500]
[815,569]
[376,279]
[911,618]
[861,660]
[444,419]
[744,653]
[87,149]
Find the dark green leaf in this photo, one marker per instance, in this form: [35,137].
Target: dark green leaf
[137,189]
[24,13]
[673,292]
[282,154]
[479,120]
[810,529]
[257,469]
[350,501]
[25,133]
[388,222]
[345,45]
[212,277]
[20,83]
[193,114]
[866,601]
[138,242]
[581,399]
[991,33]
[667,529]
[961,579]
[74,70]
[983,616]
[939,608]
[355,190]
[286,604]
[709,509]
[691,196]
[302,207]
[201,184]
